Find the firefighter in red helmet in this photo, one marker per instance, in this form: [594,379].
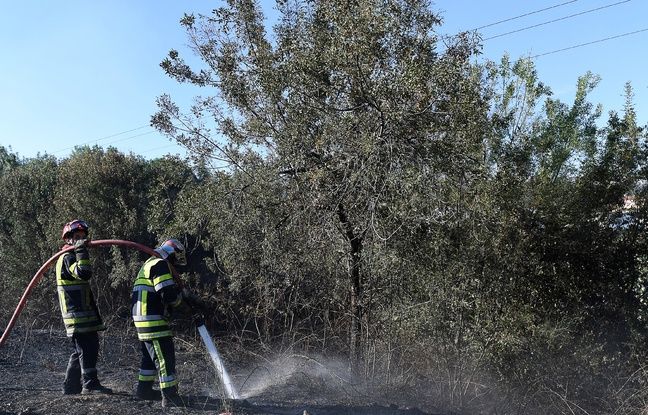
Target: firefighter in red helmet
[80,313]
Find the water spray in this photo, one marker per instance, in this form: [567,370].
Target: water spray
[228,386]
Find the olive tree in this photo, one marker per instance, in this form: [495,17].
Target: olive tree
[361,113]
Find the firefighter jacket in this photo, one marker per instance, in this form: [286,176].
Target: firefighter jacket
[155,294]
[78,307]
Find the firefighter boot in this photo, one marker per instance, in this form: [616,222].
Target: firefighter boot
[171,399]
[145,391]
[92,386]
[96,389]
[72,382]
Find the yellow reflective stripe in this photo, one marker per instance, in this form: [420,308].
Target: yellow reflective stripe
[163,368]
[73,268]
[146,378]
[143,302]
[153,323]
[168,384]
[79,320]
[162,278]
[160,356]
[155,335]
[145,271]
[149,263]
[144,274]
[59,274]
[59,268]
[140,274]
[62,302]
[71,282]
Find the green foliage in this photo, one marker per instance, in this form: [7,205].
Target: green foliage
[438,204]
[27,190]
[347,112]
[359,187]
[7,160]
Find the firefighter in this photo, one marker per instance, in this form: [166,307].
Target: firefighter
[155,297]
[80,313]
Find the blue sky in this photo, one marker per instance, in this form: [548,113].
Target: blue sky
[87,72]
[616,61]
[76,71]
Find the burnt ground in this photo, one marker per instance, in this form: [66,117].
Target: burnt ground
[32,366]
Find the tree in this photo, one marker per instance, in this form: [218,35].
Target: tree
[8,160]
[351,107]
[26,228]
[110,191]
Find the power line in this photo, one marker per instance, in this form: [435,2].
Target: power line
[590,43]
[522,15]
[113,135]
[157,148]
[557,20]
[121,139]
[131,137]
[102,138]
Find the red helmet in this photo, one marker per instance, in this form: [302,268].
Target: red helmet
[71,227]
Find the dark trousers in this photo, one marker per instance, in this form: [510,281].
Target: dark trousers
[83,361]
[158,357]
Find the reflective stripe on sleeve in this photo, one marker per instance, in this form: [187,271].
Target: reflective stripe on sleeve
[162,278]
[144,296]
[163,284]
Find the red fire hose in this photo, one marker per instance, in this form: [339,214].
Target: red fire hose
[39,274]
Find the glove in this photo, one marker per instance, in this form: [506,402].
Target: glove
[192,299]
[198,320]
[197,304]
[79,243]
[187,295]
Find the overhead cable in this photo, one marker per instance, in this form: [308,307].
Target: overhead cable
[590,43]
[522,15]
[129,138]
[557,20]
[157,148]
[102,138]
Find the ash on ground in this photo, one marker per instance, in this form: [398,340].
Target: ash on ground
[32,368]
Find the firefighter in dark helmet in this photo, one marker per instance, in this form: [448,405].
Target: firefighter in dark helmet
[155,297]
[80,313]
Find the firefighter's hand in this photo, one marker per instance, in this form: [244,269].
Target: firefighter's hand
[191,299]
[188,296]
[198,319]
[81,243]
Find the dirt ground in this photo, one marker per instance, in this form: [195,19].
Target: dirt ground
[32,366]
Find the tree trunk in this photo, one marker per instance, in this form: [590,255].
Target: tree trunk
[355,283]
